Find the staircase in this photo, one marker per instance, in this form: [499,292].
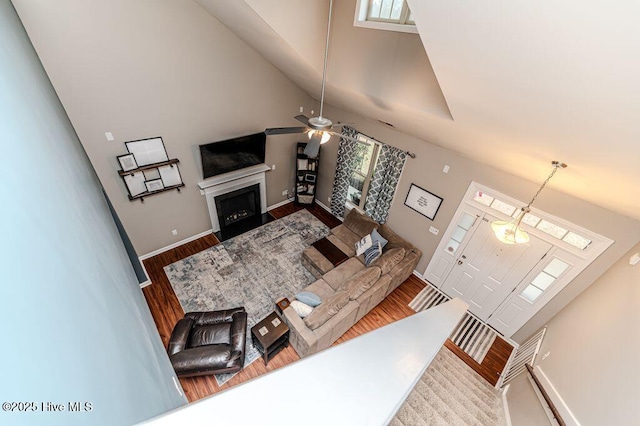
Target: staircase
[451,393]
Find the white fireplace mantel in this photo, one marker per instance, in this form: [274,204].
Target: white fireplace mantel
[232,181]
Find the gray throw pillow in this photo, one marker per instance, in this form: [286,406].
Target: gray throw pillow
[327,310]
[309,298]
[375,236]
[372,253]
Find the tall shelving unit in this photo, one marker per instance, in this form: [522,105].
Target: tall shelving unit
[306,176]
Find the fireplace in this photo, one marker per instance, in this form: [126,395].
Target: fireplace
[241,204]
[237,201]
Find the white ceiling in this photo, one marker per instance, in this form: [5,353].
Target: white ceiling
[519,84]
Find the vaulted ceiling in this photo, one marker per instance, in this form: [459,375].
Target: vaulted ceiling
[511,84]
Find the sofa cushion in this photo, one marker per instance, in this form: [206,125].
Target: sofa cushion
[340,274]
[359,224]
[309,298]
[321,288]
[389,259]
[391,236]
[346,249]
[301,309]
[328,309]
[213,334]
[347,236]
[361,282]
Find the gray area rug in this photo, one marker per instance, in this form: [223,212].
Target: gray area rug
[252,270]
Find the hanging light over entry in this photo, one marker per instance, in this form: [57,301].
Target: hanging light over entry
[511,232]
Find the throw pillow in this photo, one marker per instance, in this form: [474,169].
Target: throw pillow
[327,310]
[390,259]
[362,245]
[301,309]
[309,298]
[361,282]
[372,253]
[375,236]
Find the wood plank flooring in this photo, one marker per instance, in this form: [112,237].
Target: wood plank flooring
[166,310]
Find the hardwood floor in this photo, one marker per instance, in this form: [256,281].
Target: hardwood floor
[166,310]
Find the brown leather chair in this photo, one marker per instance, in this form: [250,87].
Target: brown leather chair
[209,343]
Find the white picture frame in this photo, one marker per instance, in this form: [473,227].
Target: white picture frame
[423,201]
[147,151]
[170,175]
[135,183]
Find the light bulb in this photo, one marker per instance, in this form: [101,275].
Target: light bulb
[325,137]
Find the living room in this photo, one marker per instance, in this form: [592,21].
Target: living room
[141,69]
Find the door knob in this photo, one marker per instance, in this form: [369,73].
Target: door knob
[459,262]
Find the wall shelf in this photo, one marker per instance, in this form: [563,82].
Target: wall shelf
[149,167]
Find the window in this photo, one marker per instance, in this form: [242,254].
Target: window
[395,11]
[556,231]
[544,279]
[366,157]
[391,15]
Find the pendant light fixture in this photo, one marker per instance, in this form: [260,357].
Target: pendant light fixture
[511,232]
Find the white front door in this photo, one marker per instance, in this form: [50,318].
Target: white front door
[487,271]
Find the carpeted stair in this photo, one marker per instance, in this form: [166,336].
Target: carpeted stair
[451,393]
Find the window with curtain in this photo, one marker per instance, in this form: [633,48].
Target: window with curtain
[367,174]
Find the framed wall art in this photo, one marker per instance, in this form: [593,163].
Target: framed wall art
[423,201]
[127,162]
[154,185]
[147,151]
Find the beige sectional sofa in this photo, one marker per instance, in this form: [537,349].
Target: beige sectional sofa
[352,289]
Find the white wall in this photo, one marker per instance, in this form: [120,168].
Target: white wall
[146,68]
[594,346]
[75,326]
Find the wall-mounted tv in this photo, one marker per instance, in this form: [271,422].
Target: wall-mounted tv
[232,154]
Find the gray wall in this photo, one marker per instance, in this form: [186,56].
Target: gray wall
[426,171]
[75,326]
[525,408]
[146,68]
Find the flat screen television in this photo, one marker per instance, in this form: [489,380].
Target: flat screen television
[232,154]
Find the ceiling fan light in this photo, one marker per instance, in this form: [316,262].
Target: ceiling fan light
[509,232]
[325,137]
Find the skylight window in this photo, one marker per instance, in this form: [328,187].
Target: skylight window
[390,15]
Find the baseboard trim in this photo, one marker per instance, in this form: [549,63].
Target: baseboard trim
[324,206]
[555,397]
[146,283]
[280,204]
[505,406]
[174,245]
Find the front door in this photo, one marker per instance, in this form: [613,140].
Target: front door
[487,271]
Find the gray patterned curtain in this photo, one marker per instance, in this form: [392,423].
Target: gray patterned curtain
[384,182]
[346,160]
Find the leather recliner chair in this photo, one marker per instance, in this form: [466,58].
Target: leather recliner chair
[205,343]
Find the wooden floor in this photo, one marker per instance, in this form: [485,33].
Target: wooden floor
[166,311]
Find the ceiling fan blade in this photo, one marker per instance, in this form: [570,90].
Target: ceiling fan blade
[340,135]
[285,130]
[303,119]
[313,147]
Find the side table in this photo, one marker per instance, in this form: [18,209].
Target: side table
[270,336]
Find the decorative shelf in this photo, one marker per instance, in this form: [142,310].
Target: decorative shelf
[146,194]
[149,167]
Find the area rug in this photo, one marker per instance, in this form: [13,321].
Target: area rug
[471,335]
[252,270]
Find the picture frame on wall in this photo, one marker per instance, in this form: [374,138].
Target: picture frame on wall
[422,201]
[147,151]
[127,162]
[135,183]
[309,177]
[154,185]
[170,175]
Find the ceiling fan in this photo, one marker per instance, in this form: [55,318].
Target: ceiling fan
[319,129]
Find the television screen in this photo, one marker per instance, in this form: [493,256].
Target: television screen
[233,154]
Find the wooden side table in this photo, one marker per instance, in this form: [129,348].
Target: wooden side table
[270,336]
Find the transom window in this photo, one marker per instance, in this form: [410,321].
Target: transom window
[396,11]
[391,15]
[552,229]
[366,158]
